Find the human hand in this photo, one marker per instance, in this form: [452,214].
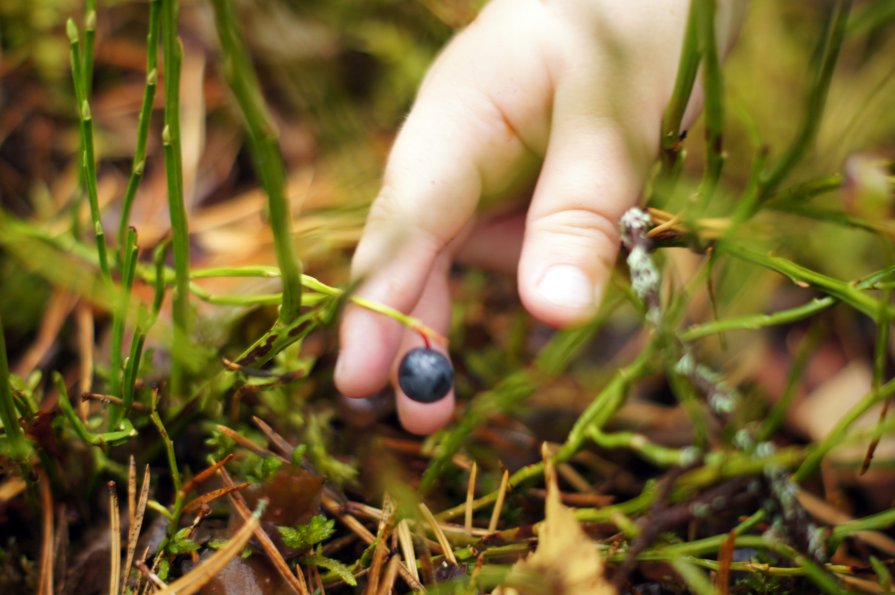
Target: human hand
[572,90]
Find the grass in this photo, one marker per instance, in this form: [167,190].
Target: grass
[213,366]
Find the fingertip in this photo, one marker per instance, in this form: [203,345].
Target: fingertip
[361,371]
[562,294]
[424,418]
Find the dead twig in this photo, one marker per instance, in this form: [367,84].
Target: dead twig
[498,505]
[470,497]
[45,582]
[136,525]
[295,581]
[114,540]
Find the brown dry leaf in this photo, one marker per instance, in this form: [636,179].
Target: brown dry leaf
[819,413]
[566,561]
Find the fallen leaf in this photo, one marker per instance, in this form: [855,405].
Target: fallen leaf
[566,561]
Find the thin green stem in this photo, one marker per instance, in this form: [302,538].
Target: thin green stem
[762,568]
[139,161]
[840,430]
[880,521]
[172,52]
[639,504]
[825,58]
[880,359]
[18,444]
[158,263]
[120,316]
[751,322]
[688,66]
[722,465]
[89,38]
[819,575]
[132,369]
[837,217]
[873,16]
[111,438]
[604,406]
[713,84]
[308,283]
[265,153]
[696,580]
[748,204]
[657,454]
[775,417]
[88,158]
[169,444]
[836,288]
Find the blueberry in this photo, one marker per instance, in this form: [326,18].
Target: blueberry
[425,375]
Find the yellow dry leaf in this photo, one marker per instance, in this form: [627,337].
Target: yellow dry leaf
[566,561]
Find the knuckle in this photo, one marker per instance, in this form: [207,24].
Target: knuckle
[584,223]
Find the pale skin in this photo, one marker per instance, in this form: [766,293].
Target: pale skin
[569,93]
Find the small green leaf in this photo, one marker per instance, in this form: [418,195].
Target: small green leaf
[334,566]
[298,454]
[164,567]
[217,544]
[303,537]
[263,469]
[181,544]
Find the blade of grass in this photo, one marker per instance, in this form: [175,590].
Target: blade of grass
[265,153]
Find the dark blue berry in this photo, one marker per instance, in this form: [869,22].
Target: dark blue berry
[425,375]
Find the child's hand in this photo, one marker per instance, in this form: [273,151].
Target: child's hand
[579,84]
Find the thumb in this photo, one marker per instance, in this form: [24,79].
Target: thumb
[592,173]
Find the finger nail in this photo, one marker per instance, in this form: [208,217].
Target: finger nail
[567,286]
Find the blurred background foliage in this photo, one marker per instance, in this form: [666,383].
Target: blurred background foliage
[340,75]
